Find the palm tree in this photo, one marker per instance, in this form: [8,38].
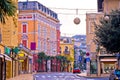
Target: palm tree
[41,57]
[58,58]
[63,60]
[52,57]
[46,59]
[7,9]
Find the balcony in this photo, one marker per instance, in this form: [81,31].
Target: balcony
[66,52]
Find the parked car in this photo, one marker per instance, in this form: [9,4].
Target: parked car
[76,70]
[114,75]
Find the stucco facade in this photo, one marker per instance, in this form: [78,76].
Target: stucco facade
[41,27]
[91,19]
[67,50]
[9,38]
[104,62]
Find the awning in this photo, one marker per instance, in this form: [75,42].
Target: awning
[108,60]
[6,57]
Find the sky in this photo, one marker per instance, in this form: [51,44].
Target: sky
[67,12]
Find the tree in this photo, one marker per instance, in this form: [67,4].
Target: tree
[41,56]
[57,59]
[52,57]
[7,9]
[107,33]
[46,60]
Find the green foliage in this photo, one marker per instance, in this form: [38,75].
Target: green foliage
[47,57]
[107,34]
[7,9]
[41,54]
[16,50]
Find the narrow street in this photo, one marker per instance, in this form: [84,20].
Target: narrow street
[62,76]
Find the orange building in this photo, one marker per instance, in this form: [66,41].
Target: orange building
[38,27]
[103,61]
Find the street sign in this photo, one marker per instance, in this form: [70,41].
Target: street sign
[88,59]
[80,58]
[87,54]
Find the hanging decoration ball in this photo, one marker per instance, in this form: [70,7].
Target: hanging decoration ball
[106,18]
[77,20]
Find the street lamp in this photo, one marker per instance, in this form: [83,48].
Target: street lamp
[77,19]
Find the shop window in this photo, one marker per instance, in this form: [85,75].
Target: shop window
[108,68]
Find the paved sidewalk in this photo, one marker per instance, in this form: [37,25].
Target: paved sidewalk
[23,77]
[82,74]
[92,75]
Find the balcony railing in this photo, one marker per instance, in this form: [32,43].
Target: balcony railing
[66,52]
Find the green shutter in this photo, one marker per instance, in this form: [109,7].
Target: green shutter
[16,50]
[7,50]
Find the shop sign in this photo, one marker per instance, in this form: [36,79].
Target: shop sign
[88,59]
[21,56]
[80,58]
[21,60]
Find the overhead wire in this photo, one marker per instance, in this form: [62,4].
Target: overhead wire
[71,9]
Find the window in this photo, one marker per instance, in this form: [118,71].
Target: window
[60,49]
[24,42]
[24,5]
[24,28]
[66,51]
[91,25]
[100,5]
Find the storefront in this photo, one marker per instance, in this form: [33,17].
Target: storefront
[5,67]
[25,62]
[107,65]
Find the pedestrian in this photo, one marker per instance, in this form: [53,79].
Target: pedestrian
[112,76]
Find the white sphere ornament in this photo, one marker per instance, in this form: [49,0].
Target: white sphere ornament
[106,18]
[77,20]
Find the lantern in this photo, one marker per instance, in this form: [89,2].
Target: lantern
[77,20]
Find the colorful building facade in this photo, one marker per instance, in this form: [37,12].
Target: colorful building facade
[67,50]
[105,62]
[38,29]
[8,38]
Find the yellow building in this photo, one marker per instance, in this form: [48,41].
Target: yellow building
[104,62]
[67,50]
[9,38]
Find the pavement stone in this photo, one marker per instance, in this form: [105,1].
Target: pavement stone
[23,77]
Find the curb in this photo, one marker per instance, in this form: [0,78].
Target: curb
[92,76]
